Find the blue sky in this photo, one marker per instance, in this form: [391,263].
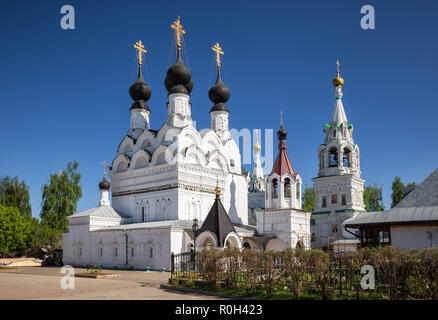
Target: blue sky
[64,93]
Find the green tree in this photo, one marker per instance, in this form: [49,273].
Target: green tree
[14,193]
[41,235]
[373,198]
[60,197]
[397,191]
[14,230]
[308,199]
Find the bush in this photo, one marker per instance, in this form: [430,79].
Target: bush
[296,273]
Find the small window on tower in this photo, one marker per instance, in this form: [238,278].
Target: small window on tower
[324,202]
[287,188]
[232,162]
[100,251]
[151,252]
[334,228]
[334,198]
[334,133]
[142,214]
[344,199]
[132,252]
[115,252]
[274,188]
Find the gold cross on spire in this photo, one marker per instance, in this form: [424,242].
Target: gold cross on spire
[281,118]
[337,64]
[140,50]
[216,48]
[178,32]
[256,131]
[104,163]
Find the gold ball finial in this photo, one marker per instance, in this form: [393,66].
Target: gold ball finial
[217,190]
[338,81]
[257,146]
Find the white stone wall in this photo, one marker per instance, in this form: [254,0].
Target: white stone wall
[146,247]
[287,225]
[414,237]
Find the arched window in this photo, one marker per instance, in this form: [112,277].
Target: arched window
[287,188]
[346,158]
[274,188]
[142,214]
[333,162]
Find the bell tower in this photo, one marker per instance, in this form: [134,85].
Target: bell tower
[338,186]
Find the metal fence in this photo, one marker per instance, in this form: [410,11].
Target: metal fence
[184,263]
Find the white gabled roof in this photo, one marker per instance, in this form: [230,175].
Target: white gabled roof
[101,211]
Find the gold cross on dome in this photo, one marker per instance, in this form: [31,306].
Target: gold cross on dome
[216,48]
[281,118]
[140,50]
[104,163]
[178,32]
[337,64]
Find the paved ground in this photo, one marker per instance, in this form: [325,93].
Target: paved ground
[45,283]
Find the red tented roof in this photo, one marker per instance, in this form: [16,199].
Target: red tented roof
[282,164]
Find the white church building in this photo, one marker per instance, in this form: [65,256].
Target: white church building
[161,180]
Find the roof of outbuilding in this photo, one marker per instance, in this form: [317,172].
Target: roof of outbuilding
[395,216]
[419,206]
[101,211]
[424,195]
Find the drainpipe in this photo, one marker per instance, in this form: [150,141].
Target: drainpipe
[126,246]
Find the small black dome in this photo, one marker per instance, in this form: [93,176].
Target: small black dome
[281,133]
[140,90]
[219,92]
[179,78]
[104,184]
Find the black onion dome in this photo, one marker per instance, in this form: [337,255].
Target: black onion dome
[219,94]
[140,90]
[104,184]
[178,78]
[281,133]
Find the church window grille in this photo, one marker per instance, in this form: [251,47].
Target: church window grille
[333,161]
[100,251]
[334,198]
[151,252]
[132,252]
[344,199]
[313,237]
[115,252]
[324,202]
[334,228]
[142,214]
[274,188]
[287,188]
